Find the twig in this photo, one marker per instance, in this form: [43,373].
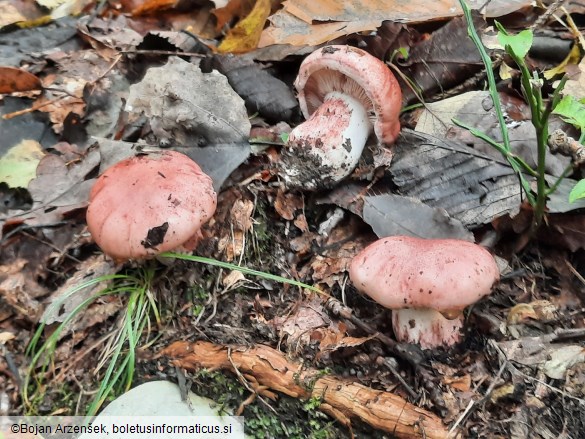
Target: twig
[575,272]
[411,354]
[473,404]
[540,21]
[514,369]
[162,52]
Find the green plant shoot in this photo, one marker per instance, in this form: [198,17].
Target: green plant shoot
[517,46]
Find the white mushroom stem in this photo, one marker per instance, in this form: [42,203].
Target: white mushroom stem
[332,138]
[427,327]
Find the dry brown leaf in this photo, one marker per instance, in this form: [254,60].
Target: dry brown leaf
[309,22]
[575,86]
[240,221]
[461,383]
[9,14]
[234,9]
[333,341]
[13,79]
[6,336]
[286,204]
[245,36]
[152,6]
[232,278]
[539,310]
[19,290]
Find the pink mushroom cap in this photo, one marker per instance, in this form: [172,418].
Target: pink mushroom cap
[442,274]
[426,282]
[148,204]
[356,72]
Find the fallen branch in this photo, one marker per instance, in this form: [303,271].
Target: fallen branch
[266,368]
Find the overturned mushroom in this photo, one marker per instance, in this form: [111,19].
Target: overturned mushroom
[149,204]
[345,94]
[426,282]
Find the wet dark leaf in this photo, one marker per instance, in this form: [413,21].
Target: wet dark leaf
[391,215]
[472,187]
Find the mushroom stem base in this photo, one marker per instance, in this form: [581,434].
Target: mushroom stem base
[426,327]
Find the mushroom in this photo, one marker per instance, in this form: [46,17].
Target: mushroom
[345,94]
[149,204]
[426,282]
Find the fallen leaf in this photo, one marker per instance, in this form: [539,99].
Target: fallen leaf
[461,383]
[391,215]
[232,278]
[558,201]
[263,93]
[18,166]
[476,109]
[472,187]
[188,106]
[245,36]
[19,290]
[308,22]
[286,204]
[153,6]
[225,13]
[71,294]
[6,336]
[575,85]
[562,359]
[444,59]
[539,310]
[565,230]
[219,160]
[22,46]
[13,79]
[9,14]
[60,187]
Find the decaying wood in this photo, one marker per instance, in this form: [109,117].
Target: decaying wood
[268,369]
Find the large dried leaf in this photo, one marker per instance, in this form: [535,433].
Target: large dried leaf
[554,359]
[443,60]
[22,46]
[60,187]
[9,14]
[188,106]
[263,93]
[13,80]
[309,22]
[69,296]
[246,34]
[18,166]
[476,109]
[472,187]
[558,201]
[391,215]
[217,160]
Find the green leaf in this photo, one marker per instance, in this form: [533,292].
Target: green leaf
[518,44]
[284,137]
[577,192]
[571,111]
[404,52]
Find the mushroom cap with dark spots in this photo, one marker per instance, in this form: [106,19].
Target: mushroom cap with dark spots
[148,204]
[442,274]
